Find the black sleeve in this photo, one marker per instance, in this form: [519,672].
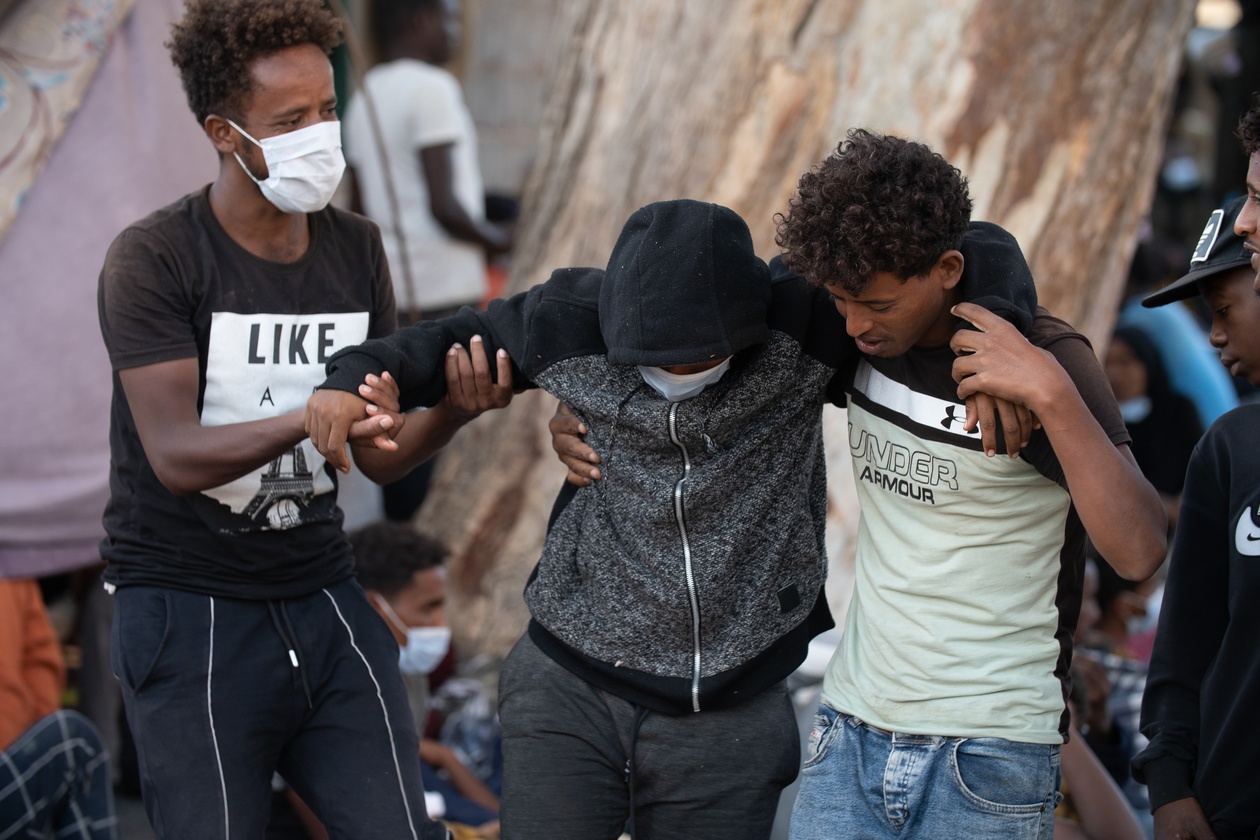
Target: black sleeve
[384,314]
[538,327]
[996,275]
[1192,624]
[808,314]
[145,302]
[1076,356]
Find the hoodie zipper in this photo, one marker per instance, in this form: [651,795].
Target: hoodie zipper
[686,546]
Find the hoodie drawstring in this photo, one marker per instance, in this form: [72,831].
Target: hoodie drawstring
[284,627]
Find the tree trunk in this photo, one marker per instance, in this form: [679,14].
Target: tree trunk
[1055,111]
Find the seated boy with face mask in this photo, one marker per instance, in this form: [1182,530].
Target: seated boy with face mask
[689,579]
[402,574]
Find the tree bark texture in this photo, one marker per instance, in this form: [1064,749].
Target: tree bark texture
[1055,112]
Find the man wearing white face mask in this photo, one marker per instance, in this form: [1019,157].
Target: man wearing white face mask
[402,574]
[242,643]
[304,166]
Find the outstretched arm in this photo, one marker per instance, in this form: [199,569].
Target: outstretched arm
[556,319]
[1119,508]
[418,359]
[470,392]
[335,418]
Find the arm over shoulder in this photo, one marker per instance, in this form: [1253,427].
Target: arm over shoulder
[996,275]
[807,313]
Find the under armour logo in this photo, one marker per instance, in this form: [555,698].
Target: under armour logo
[952,416]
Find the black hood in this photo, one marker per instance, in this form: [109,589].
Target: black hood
[683,286]
[996,275]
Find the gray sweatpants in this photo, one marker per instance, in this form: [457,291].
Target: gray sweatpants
[567,747]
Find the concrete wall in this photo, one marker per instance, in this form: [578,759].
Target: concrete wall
[509,47]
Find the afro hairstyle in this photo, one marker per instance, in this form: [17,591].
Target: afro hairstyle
[877,203]
[1249,128]
[217,41]
[388,554]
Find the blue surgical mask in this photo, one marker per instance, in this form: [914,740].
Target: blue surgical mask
[1138,624]
[676,387]
[425,648]
[1135,410]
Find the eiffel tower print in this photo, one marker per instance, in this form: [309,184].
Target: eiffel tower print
[281,496]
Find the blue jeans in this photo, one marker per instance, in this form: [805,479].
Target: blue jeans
[863,782]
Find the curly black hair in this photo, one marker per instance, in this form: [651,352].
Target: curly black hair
[878,203]
[387,554]
[1249,128]
[217,41]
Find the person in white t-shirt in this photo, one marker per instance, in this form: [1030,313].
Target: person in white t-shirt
[410,119]
[437,236]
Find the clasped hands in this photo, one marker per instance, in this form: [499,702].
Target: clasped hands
[1001,374]
[373,417]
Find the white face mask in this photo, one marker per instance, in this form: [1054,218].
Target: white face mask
[304,167]
[425,647]
[676,387]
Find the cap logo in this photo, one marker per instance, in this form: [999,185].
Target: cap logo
[1207,240]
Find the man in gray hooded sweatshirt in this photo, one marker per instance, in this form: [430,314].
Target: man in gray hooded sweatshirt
[674,596]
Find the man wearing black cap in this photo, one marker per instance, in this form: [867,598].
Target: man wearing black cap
[1203,691]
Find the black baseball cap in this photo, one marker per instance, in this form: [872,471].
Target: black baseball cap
[1219,250]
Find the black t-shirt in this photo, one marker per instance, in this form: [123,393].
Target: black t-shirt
[176,286]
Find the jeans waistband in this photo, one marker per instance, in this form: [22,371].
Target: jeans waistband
[896,737]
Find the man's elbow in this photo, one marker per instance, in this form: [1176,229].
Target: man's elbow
[173,479]
[1143,555]
[175,475]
